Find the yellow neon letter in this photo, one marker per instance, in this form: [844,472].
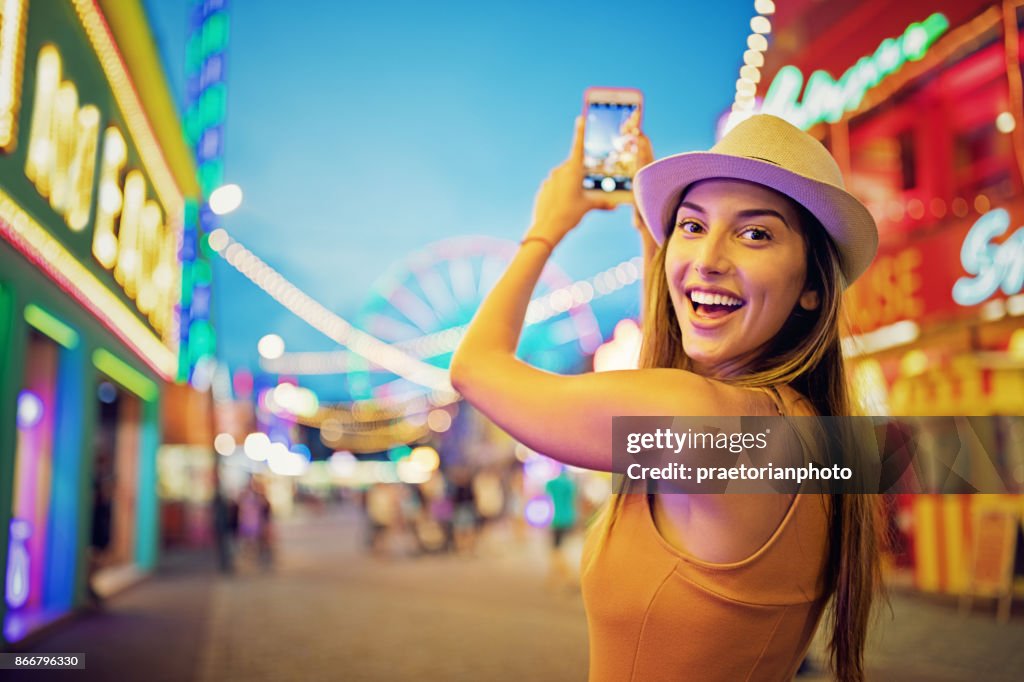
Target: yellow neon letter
[13,18]
[126,271]
[62,143]
[108,206]
[149,249]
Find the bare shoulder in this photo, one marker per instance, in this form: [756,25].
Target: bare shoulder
[680,392]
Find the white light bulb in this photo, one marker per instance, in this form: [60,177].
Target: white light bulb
[218,239]
[760,25]
[225,199]
[753,58]
[750,73]
[271,346]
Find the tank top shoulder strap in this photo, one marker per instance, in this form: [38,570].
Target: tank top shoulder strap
[776,398]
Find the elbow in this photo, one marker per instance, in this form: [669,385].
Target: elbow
[471,372]
[459,372]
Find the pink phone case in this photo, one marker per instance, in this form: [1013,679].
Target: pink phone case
[617,196]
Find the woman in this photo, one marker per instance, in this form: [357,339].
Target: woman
[750,248]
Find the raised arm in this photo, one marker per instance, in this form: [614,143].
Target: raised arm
[559,207]
[567,417]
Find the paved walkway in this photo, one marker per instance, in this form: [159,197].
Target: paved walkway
[326,611]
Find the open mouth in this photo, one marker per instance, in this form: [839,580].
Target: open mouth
[712,306]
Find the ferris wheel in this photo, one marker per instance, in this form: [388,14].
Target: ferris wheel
[422,304]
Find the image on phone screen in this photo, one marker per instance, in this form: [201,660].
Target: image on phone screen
[609,154]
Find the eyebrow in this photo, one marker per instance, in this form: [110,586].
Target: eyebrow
[747,213]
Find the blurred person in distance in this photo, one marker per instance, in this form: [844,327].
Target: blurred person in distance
[517,502]
[430,536]
[266,535]
[489,499]
[436,525]
[442,507]
[747,251]
[563,494]
[101,534]
[382,512]
[254,523]
[464,515]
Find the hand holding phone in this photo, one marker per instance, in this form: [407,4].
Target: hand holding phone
[611,144]
[561,201]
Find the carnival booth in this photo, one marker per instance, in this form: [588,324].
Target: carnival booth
[94,177]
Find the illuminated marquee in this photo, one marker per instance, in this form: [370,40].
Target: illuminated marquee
[12,46]
[62,143]
[79,159]
[826,99]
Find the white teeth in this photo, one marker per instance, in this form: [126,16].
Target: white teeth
[704,298]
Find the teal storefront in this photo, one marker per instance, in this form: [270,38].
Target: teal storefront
[94,178]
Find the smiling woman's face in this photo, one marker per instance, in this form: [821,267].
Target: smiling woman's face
[736,266]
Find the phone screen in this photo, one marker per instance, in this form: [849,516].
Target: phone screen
[609,154]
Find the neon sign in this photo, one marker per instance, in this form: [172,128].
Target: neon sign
[61,163]
[12,47]
[104,176]
[826,99]
[992,265]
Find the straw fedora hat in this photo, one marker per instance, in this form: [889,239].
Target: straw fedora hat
[769,151]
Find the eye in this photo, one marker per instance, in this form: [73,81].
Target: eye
[690,226]
[757,234]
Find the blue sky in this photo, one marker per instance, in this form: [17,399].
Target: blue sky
[362,132]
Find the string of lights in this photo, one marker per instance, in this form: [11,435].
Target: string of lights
[323,320]
[744,104]
[540,309]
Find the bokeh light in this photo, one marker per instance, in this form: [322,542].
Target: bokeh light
[439,421]
[426,458]
[411,472]
[224,444]
[285,462]
[30,409]
[106,392]
[271,346]
[760,25]
[257,446]
[225,199]
[399,452]
[343,464]
[1005,123]
[539,511]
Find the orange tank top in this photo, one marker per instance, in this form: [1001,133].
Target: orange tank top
[654,613]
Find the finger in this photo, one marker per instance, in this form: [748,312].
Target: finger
[633,122]
[644,150]
[576,154]
[603,204]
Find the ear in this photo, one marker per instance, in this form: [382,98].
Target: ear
[809,300]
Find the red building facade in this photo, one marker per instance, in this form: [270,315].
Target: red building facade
[922,105]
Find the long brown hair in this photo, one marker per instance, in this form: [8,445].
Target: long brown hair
[806,355]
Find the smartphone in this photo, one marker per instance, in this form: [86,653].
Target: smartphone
[609,150]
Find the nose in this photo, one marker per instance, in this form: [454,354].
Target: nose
[712,256]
